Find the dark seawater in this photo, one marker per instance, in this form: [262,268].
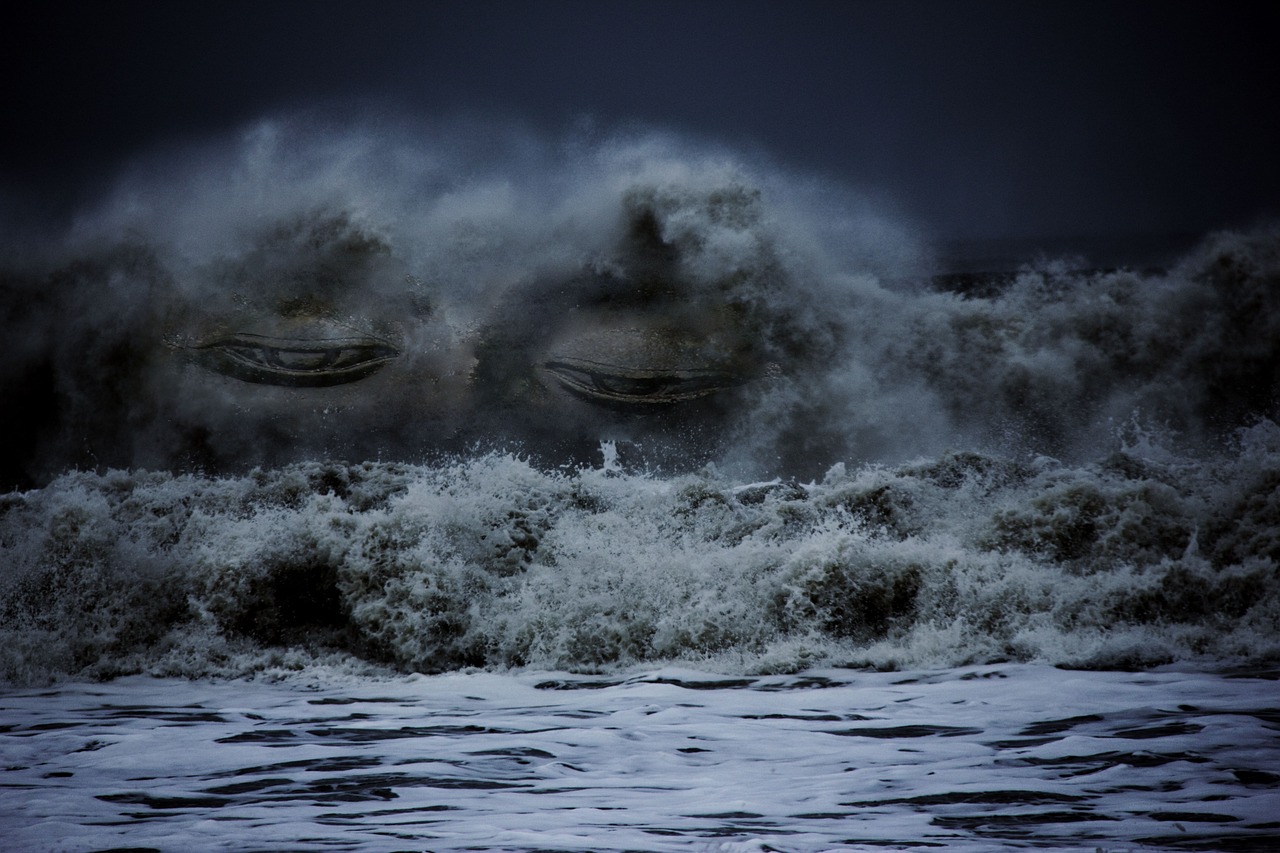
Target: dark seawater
[971,758]
[382,493]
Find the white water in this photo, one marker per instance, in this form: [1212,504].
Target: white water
[489,562]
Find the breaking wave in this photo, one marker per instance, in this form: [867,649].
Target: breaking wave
[1130,561]
[398,400]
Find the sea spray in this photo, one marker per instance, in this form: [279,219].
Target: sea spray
[801,326]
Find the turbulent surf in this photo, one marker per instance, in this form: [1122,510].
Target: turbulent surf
[312,396]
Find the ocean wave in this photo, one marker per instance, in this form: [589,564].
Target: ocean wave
[613,403]
[1126,562]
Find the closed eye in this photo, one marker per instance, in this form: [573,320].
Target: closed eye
[611,383]
[299,363]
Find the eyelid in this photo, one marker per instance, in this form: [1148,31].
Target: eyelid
[295,362]
[612,383]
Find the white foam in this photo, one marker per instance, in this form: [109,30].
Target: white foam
[491,561]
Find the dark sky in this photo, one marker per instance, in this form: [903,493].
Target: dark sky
[980,119]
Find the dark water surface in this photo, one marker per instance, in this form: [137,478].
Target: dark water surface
[974,758]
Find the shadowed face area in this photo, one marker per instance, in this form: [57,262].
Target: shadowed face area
[635,352]
[318,340]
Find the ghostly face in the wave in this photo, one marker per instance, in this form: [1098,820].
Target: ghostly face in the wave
[315,341]
[318,341]
[633,352]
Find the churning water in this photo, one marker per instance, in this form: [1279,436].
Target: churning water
[624,494]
